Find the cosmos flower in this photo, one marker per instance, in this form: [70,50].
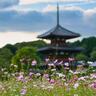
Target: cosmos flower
[38,74]
[46,76]
[47,59]
[60,63]
[23,91]
[31,73]
[66,64]
[60,75]
[34,62]
[76,85]
[81,78]
[93,76]
[93,85]
[56,61]
[52,81]
[50,64]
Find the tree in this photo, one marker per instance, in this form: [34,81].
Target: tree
[12,48]
[24,57]
[93,55]
[5,57]
[81,56]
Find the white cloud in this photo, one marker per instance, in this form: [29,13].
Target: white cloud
[14,37]
[54,8]
[46,1]
[90,12]
[87,12]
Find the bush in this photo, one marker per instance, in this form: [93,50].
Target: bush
[81,56]
[93,55]
[24,58]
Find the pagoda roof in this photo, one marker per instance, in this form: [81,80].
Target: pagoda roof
[59,32]
[52,49]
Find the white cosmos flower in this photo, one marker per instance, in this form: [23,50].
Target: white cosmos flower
[47,59]
[38,74]
[76,72]
[71,71]
[76,85]
[66,64]
[60,75]
[50,64]
[56,61]
[81,78]
[93,76]
[53,69]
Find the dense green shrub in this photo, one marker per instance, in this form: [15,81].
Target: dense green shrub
[24,57]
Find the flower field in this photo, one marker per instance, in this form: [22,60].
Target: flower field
[49,83]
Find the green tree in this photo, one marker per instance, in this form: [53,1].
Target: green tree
[93,55]
[5,57]
[24,57]
[81,56]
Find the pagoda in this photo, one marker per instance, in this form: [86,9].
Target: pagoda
[58,36]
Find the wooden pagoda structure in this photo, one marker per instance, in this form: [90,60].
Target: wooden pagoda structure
[58,36]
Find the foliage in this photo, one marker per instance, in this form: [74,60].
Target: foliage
[88,43]
[36,44]
[12,48]
[24,57]
[81,56]
[5,57]
[8,51]
[93,55]
[70,83]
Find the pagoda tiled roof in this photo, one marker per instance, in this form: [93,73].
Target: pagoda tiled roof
[59,32]
[51,49]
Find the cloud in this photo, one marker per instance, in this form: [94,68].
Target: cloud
[72,18]
[52,1]
[14,37]
[20,21]
[8,3]
[49,8]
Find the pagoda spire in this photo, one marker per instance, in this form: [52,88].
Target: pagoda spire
[57,13]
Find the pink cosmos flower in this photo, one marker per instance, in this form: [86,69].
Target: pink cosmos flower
[47,59]
[23,91]
[30,74]
[20,77]
[71,59]
[93,85]
[52,81]
[46,76]
[34,62]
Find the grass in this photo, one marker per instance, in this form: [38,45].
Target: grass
[38,88]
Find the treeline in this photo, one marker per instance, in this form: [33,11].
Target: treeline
[89,44]
[8,51]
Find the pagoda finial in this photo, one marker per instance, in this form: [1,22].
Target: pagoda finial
[57,13]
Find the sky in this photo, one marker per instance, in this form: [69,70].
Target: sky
[23,20]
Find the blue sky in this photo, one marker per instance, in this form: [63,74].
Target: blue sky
[23,20]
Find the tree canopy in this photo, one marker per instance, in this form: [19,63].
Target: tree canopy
[24,57]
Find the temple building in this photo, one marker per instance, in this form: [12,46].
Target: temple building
[58,36]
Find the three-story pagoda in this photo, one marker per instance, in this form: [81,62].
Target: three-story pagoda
[58,36]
